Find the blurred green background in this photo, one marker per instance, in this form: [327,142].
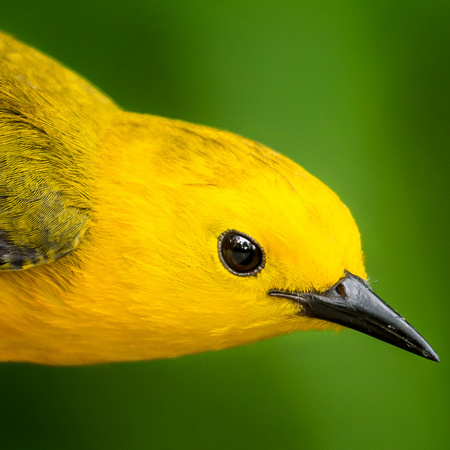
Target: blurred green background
[358,93]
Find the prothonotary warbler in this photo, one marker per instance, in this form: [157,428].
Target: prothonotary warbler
[128,237]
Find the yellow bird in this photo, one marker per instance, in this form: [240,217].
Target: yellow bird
[130,237]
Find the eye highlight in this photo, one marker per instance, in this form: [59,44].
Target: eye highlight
[240,254]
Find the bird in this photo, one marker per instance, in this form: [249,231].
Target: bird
[127,236]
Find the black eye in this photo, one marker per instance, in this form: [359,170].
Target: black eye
[240,253]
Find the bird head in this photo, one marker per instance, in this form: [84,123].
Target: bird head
[234,242]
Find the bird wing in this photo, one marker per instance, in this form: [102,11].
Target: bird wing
[51,122]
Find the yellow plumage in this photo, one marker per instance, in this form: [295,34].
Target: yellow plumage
[142,200]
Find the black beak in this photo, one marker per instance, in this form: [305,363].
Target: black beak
[351,303]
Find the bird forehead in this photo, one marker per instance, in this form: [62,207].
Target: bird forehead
[217,154]
[246,186]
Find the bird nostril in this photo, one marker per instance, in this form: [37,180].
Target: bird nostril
[341,290]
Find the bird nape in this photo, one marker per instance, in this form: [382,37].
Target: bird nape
[129,237]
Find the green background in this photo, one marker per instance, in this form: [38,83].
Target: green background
[358,93]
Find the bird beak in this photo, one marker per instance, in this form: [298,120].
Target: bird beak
[352,303]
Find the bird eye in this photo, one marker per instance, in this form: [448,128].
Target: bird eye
[240,253]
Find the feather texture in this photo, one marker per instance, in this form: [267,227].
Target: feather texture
[135,204]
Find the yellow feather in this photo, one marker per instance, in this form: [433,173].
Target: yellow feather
[141,200]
